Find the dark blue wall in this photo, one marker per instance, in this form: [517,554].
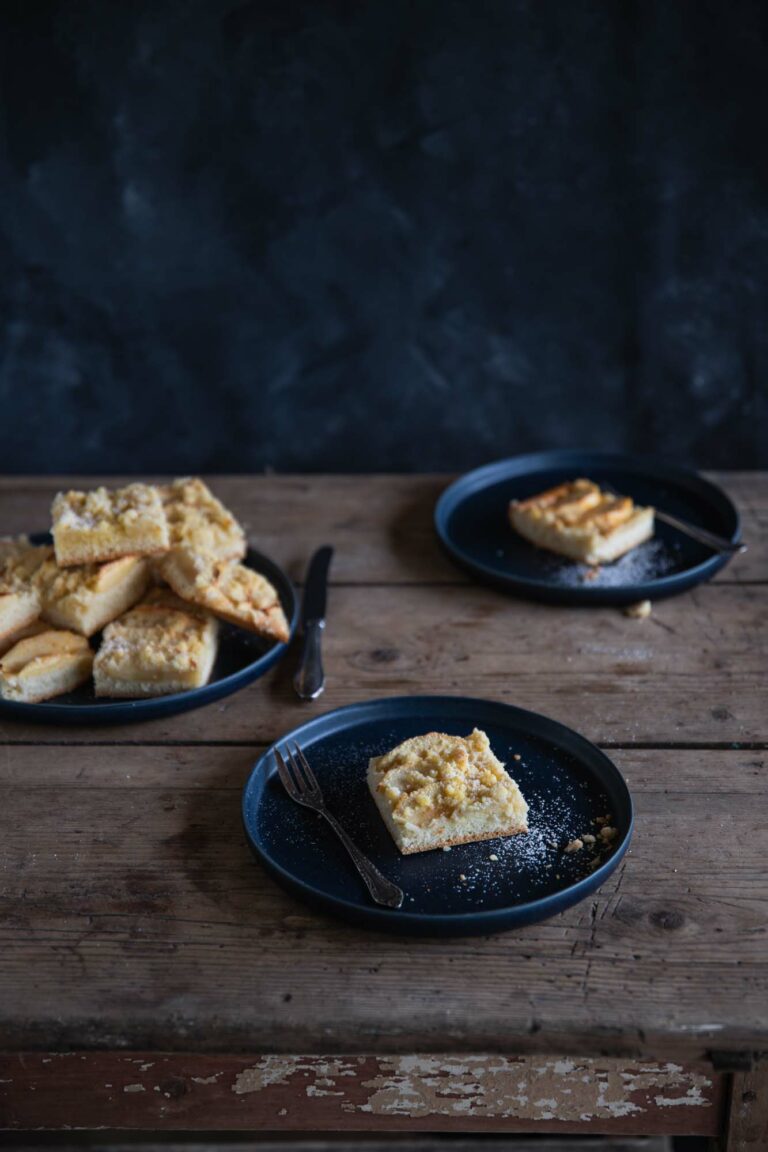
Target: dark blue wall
[381,235]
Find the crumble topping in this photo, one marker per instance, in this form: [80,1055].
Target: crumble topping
[19,565]
[434,776]
[230,581]
[228,589]
[199,522]
[57,584]
[155,636]
[639,611]
[120,507]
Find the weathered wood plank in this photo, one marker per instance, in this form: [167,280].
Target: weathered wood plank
[398,1142]
[747,1124]
[353,1093]
[131,914]
[692,673]
[381,526]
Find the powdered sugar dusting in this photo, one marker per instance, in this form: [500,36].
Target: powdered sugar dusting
[649,561]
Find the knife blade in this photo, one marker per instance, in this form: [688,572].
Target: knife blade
[309,680]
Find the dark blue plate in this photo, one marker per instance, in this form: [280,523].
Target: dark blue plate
[242,657]
[567,782]
[473,525]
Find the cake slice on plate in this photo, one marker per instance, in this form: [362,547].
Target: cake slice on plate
[89,596]
[198,522]
[105,524]
[44,665]
[33,629]
[436,790]
[161,646]
[229,590]
[580,521]
[19,595]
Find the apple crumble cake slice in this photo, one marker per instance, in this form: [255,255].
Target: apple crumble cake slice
[436,790]
[33,629]
[19,594]
[89,596]
[580,521]
[161,646]
[105,524]
[44,665]
[229,590]
[198,522]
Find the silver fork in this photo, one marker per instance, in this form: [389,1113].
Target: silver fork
[717,543]
[301,785]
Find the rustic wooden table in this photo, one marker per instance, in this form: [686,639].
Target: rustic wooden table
[153,977]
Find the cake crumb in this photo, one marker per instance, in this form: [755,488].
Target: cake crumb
[588,838]
[493,856]
[608,833]
[462,876]
[574,845]
[517,756]
[446,848]
[639,611]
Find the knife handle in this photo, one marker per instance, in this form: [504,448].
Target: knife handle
[309,680]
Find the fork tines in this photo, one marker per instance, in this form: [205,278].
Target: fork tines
[299,780]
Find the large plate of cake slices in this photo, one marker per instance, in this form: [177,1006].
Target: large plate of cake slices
[488,817]
[141,601]
[575,527]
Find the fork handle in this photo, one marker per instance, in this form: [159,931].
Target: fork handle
[719,543]
[382,890]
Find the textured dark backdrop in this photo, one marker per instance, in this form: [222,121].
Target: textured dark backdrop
[381,235]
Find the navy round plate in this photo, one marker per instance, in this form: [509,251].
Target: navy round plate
[242,657]
[567,782]
[473,525]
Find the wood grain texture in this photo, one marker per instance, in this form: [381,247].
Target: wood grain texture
[418,1093]
[381,526]
[133,915]
[691,673]
[747,1123]
[397,1142]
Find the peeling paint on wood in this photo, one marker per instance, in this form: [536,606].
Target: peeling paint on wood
[491,1086]
[537,1089]
[281,1069]
[360,1093]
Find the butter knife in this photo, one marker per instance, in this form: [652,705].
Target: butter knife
[309,680]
